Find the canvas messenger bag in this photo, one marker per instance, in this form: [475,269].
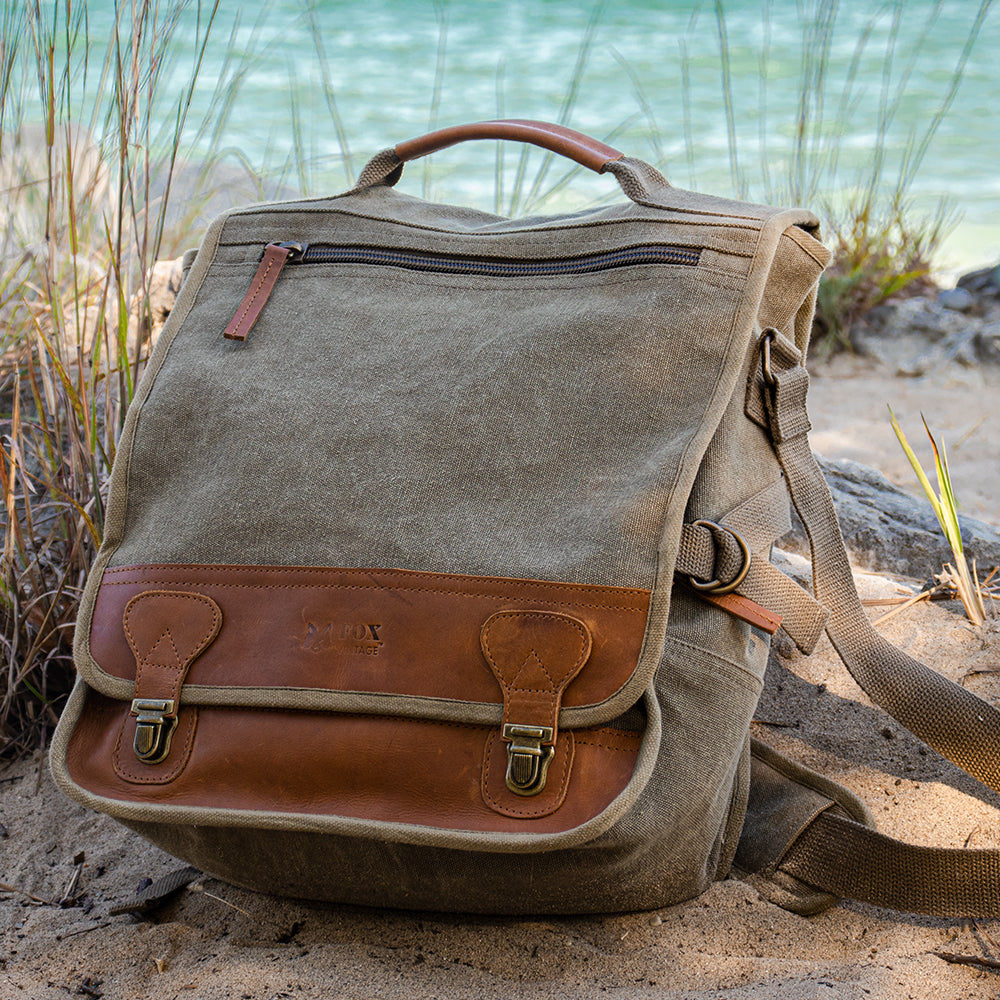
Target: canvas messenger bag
[435,572]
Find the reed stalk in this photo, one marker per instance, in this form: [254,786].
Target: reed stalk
[945,508]
[90,147]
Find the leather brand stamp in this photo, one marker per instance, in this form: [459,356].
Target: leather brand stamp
[349,639]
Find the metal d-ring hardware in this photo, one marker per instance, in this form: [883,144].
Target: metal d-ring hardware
[716,587]
[528,757]
[764,344]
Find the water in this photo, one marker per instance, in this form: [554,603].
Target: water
[646,75]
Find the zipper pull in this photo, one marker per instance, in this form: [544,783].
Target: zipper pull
[276,256]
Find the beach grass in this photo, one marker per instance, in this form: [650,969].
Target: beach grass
[93,145]
[945,506]
[83,221]
[882,248]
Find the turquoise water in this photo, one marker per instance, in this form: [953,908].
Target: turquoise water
[646,75]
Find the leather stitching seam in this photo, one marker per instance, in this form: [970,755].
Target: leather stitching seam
[367,572]
[252,296]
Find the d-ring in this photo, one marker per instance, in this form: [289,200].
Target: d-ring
[716,587]
[764,344]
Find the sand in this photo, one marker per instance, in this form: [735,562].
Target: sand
[213,941]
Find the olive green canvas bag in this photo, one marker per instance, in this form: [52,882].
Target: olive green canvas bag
[436,570]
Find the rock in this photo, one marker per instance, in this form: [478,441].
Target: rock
[888,531]
[956,299]
[988,342]
[919,334]
[983,283]
[908,335]
[976,345]
[903,319]
[144,323]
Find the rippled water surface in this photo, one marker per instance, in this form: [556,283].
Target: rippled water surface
[648,76]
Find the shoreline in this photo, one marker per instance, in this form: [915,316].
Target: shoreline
[972,246]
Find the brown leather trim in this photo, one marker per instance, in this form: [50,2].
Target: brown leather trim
[378,630]
[368,767]
[579,147]
[743,608]
[534,656]
[248,311]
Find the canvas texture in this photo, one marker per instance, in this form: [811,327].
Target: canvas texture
[465,444]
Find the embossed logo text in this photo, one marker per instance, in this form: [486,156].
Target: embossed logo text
[352,638]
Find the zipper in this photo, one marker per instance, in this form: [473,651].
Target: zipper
[447,263]
[278,255]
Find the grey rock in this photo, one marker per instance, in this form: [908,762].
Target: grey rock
[931,319]
[920,334]
[988,342]
[908,334]
[956,299]
[977,345]
[985,282]
[888,531]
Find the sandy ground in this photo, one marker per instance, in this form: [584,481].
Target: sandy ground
[849,400]
[213,941]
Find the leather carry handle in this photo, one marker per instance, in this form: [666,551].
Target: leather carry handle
[582,148]
[642,183]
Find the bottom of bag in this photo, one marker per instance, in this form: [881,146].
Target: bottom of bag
[381,874]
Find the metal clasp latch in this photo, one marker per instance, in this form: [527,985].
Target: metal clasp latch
[154,725]
[528,757]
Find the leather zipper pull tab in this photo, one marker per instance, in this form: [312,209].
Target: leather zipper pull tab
[276,256]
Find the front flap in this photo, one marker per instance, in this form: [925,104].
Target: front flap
[423,645]
[506,402]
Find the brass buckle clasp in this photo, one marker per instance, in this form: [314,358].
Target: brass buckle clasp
[764,344]
[155,723]
[529,754]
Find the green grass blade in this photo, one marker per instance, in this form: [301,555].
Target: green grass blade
[925,483]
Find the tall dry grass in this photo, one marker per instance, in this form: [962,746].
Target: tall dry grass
[89,151]
[882,247]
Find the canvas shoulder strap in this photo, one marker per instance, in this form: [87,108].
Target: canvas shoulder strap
[830,849]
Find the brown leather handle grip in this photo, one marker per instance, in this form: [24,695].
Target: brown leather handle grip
[557,138]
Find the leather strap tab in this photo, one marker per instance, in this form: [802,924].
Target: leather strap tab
[167,631]
[534,655]
[746,610]
[263,283]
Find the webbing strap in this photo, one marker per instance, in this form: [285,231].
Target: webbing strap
[802,616]
[848,859]
[960,726]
